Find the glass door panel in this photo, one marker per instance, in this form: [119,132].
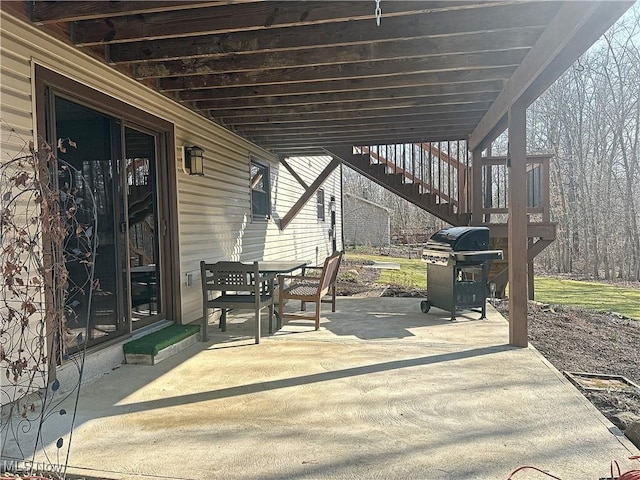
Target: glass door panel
[93,179]
[142,221]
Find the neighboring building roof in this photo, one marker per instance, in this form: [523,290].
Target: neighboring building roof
[373,204]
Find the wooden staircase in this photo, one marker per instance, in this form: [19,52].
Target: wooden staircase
[435,177]
[405,182]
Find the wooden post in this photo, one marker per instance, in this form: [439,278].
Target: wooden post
[546,194]
[476,187]
[518,241]
[488,194]
[530,285]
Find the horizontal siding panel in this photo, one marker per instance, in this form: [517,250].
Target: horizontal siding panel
[12,96]
[11,151]
[15,92]
[16,120]
[16,133]
[15,141]
[227,192]
[14,65]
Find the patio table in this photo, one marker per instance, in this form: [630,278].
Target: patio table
[273,268]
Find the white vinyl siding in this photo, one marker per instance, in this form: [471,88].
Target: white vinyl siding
[16,131]
[214,212]
[365,222]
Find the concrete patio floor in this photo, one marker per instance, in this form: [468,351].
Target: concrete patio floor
[382,391]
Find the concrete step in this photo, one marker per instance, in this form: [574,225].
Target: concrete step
[159,345]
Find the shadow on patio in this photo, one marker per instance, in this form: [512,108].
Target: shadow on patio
[381,391]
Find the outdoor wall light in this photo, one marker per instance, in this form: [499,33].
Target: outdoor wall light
[332,204]
[193,160]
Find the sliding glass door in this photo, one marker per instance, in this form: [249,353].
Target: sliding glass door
[114,165]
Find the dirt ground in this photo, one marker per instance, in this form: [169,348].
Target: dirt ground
[577,340]
[572,339]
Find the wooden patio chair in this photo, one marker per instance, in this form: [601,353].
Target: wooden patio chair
[241,286]
[330,297]
[310,289]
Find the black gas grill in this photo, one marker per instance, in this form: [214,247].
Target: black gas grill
[457,269]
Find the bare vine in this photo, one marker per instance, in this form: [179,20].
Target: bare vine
[47,223]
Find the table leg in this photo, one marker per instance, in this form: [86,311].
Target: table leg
[271,290]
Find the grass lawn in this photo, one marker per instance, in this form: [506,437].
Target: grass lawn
[593,296]
[412,273]
[590,295]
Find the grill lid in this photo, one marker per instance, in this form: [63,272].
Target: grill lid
[460,239]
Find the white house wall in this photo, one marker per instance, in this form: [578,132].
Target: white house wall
[214,211]
[16,131]
[365,223]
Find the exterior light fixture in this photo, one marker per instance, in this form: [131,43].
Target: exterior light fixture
[193,160]
[332,204]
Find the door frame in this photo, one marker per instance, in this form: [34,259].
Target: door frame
[166,167]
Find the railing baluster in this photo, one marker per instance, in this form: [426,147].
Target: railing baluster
[449,174]
[422,175]
[413,162]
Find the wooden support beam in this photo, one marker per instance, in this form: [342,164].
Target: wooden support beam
[518,242]
[293,173]
[530,273]
[372,131]
[476,187]
[390,114]
[418,121]
[210,54]
[532,158]
[309,192]
[69,11]
[379,74]
[249,17]
[377,139]
[335,90]
[491,88]
[535,249]
[318,60]
[543,231]
[463,185]
[358,32]
[573,29]
[426,102]
[546,190]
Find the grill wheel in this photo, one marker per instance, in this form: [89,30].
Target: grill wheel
[425,306]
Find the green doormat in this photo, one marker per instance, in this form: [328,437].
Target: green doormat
[154,342]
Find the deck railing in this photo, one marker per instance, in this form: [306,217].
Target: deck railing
[440,169]
[495,204]
[443,171]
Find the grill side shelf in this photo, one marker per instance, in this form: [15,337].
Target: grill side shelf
[479,256]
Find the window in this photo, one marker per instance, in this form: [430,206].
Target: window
[320,201]
[260,204]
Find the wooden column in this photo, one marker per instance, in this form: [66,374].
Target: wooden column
[476,187]
[530,280]
[518,240]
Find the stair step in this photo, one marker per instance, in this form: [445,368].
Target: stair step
[361,161]
[396,178]
[412,188]
[378,169]
[159,345]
